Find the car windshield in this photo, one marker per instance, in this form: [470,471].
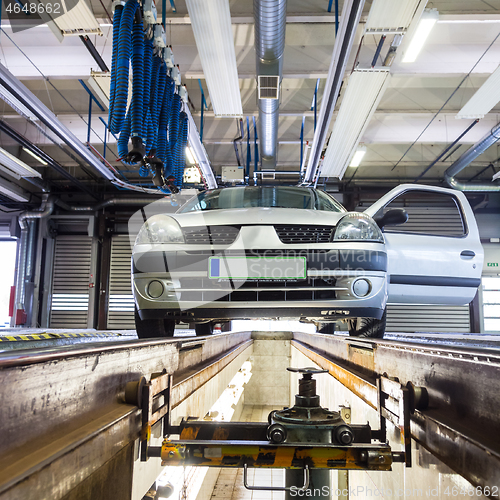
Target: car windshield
[268,196]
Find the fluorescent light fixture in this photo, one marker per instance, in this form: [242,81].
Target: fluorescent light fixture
[15,167]
[342,47]
[427,21]
[100,83]
[16,104]
[358,156]
[52,123]
[190,156]
[13,191]
[35,156]
[364,91]
[77,21]
[199,153]
[469,21]
[211,23]
[484,99]
[390,15]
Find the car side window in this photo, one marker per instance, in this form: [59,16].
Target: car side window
[429,213]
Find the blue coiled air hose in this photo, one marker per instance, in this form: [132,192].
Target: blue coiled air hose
[173,122]
[158,101]
[148,63]
[137,103]
[122,66]
[114,56]
[122,143]
[180,149]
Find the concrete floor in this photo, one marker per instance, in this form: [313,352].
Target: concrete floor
[229,485]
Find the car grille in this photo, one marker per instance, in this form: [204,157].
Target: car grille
[209,290]
[291,233]
[210,235]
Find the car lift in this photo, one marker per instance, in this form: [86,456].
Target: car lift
[306,439]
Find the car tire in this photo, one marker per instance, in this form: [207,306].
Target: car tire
[368,327]
[204,329]
[327,328]
[154,328]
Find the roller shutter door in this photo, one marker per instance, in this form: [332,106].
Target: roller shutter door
[71,298]
[427,214]
[414,318]
[121,300]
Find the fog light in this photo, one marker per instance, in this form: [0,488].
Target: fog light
[155,289]
[361,287]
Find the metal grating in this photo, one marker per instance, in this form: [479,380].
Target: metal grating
[304,234]
[414,318]
[121,300]
[210,235]
[268,87]
[207,290]
[70,283]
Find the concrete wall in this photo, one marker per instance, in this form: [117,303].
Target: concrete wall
[270,382]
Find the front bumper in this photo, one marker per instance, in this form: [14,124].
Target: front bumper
[329,291]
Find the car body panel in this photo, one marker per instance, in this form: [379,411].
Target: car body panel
[431,269]
[404,268]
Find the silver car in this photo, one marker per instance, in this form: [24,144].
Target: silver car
[275,252]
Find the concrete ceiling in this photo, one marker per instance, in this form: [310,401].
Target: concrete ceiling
[400,142]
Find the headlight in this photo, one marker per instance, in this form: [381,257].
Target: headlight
[358,227]
[160,229]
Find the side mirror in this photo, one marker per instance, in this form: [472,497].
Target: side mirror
[392,217]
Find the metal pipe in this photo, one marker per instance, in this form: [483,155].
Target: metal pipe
[24,219]
[270,25]
[467,158]
[107,203]
[30,248]
[379,49]
[276,172]
[351,13]
[302,140]
[20,139]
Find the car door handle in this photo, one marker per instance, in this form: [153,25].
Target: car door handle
[467,253]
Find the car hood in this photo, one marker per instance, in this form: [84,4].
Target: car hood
[265,216]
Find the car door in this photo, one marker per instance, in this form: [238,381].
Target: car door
[435,257]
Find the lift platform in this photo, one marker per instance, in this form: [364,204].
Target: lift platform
[67,428]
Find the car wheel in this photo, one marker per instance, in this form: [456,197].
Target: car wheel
[203,329]
[153,328]
[328,328]
[368,327]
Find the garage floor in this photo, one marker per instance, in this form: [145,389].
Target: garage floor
[229,484]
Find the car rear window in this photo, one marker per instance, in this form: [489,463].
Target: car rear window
[268,196]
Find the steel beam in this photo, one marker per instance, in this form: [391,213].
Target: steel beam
[61,416]
[463,383]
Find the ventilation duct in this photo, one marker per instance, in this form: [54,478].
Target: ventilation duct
[268,87]
[270,25]
[467,158]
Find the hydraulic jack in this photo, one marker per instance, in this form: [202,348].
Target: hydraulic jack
[306,440]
